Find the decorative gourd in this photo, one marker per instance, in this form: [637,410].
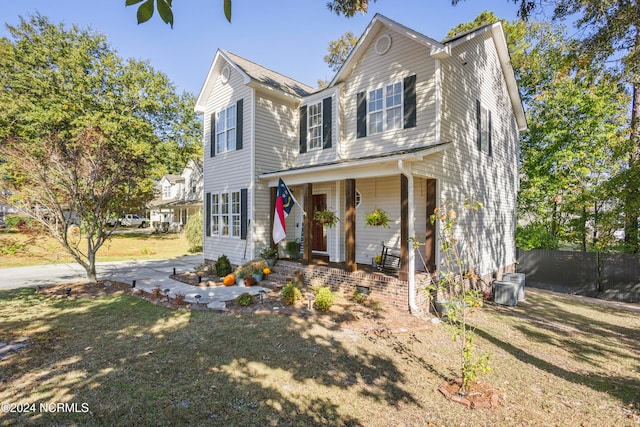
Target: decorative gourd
[266,270]
[229,280]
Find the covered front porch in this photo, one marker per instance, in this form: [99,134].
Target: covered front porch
[352,189]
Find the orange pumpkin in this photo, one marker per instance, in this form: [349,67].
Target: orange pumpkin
[229,280]
[266,270]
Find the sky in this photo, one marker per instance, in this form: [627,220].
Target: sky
[287,36]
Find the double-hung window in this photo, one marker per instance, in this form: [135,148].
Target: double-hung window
[483,128]
[215,214]
[385,108]
[314,126]
[226,214]
[226,130]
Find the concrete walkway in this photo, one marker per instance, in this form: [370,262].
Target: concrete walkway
[148,274]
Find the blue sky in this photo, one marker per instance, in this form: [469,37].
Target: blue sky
[288,36]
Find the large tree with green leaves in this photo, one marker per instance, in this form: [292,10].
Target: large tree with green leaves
[81,131]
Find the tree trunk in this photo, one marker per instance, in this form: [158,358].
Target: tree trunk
[90,267]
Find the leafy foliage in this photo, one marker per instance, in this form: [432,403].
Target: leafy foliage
[290,294]
[339,50]
[324,298]
[245,300]
[223,266]
[80,131]
[194,232]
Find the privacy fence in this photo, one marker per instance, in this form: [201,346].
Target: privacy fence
[614,276]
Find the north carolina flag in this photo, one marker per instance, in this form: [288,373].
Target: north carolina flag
[284,204]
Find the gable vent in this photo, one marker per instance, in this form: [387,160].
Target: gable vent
[383,44]
[226,72]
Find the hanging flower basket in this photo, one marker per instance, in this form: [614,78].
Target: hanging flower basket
[377,218]
[326,217]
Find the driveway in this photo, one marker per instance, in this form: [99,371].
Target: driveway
[147,275]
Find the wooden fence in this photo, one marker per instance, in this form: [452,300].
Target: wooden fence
[614,276]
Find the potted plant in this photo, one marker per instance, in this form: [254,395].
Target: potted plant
[270,255]
[293,249]
[240,275]
[257,274]
[377,218]
[326,217]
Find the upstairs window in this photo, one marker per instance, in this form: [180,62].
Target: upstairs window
[226,130]
[314,126]
[483,128]
[390,107]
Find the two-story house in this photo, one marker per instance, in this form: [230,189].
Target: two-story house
[178,196]
[406,122]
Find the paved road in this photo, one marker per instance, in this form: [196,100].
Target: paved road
[147,274]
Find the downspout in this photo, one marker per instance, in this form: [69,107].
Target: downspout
[412,254]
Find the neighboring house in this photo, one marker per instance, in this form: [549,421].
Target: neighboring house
[179,196]
[406,123]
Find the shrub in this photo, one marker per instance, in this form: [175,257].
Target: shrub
[223,266]
[359,297]
[291,294]
[13,220]
[179,298]
[194,232]
[245,299]
[156,292]
[12,247]
[324,298]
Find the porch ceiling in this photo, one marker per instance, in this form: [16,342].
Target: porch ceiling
[363,167]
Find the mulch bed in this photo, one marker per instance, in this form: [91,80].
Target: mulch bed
[345,313]
[478,395]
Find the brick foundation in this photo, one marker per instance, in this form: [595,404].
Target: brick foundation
[386,289]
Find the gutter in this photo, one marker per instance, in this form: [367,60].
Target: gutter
[412,254]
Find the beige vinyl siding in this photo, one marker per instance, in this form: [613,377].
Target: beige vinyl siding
[276,149]
[222,171]
[491,178]
[405,58]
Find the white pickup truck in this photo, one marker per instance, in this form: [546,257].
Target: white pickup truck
[130,220]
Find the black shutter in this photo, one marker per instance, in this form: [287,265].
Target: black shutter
[361,121]
[213,135]
[479,125]
[244,220]
[239,122]
[410,102]
[326,122]
[207,214]
[303,129]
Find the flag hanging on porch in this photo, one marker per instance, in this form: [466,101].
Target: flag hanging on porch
[284,204]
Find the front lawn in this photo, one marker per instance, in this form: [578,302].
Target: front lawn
[18,249]
[556,361]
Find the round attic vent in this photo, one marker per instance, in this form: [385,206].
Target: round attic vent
[226,72]
[383,43]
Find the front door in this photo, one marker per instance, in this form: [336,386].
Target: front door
[319,231]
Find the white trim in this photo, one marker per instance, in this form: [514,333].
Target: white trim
[438,97]
[336,257]
[251,196]
[382,166]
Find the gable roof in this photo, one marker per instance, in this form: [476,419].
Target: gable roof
[500,42]
[441,50]
[254,75]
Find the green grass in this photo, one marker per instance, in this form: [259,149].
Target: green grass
[556,361]
[36,249]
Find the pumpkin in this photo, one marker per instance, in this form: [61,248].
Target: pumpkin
[229,280]
[250,281]
[266,270]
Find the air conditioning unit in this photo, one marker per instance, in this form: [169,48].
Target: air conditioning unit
[505,293]
[516,278]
